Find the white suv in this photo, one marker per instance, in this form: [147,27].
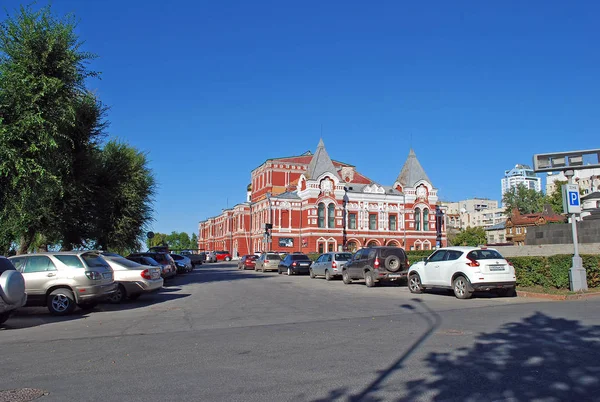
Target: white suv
[463,270]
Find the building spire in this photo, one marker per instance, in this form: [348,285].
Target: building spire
[412,171]
[321,163]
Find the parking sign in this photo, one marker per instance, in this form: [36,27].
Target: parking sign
[571,201]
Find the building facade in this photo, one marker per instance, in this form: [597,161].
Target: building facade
[316,204]
[521,174]
[517,224]
[473,212]
[587,179]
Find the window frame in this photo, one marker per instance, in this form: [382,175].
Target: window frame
[373,221]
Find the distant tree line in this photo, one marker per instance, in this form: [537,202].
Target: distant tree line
[63,183]
[175,241]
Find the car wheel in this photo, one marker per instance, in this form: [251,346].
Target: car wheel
[87,306]
[369,279]
[228,259]
[506,292]
[135,296]
[289,271]
[119,295]
[327,275]
[61,302]
[346,278]
[311,273]
[414,284]
[461,288]
[4,317]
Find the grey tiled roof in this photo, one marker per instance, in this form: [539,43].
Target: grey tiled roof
[412,171]
[497,226]
[321,163]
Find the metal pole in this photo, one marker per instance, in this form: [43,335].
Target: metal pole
[404,216]
[577,274]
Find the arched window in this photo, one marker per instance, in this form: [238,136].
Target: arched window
[331,216]
[321,215]
[417,219]
[425,219]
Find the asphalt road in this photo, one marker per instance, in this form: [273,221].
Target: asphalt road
[219,334]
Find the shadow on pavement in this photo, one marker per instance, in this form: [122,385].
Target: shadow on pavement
[143,301]
[538,358]
[28,317]
[214,274]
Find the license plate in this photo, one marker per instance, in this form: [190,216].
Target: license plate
[304,264]
[155,275]
[395,276]
[496,267]
[107,275]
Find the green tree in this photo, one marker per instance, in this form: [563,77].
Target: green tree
[194,241]
[159,239]
[555,199]
[470,237]
[525,200]
[125,191]
[42,73]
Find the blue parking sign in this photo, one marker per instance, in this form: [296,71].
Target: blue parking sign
[574,198]
[571,200]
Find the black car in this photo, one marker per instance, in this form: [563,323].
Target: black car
[295,263]
[374,264]
[196,258]
[165,261]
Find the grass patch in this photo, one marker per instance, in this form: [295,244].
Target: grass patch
[553,291]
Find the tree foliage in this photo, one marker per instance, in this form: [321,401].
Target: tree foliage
[470,237]
[175,241]
[524,199]
[58,184]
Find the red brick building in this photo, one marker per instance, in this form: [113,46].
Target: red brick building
[316,204]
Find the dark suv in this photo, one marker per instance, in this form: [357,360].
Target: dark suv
[373,264]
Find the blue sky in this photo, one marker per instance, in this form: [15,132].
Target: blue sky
[210,89]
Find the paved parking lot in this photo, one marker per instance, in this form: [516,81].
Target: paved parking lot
[219,334]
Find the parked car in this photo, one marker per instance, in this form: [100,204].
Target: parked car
[162,258]
[211,256]
[12,289]
[374,264]
[166,271]
[267,262]
[247,262]
[223,255]
[182,263]
[295,263]
[63,280]
[196,258]
[464,270]
[329,265]
[134,279]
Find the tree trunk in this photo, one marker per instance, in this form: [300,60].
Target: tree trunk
[26,242]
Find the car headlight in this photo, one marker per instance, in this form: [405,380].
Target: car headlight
[180,264]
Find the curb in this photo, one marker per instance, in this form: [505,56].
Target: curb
[577,296]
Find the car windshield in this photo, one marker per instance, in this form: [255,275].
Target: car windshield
[93,260]
[162,258]
[273,257]
[124,262]
[176,257]
[251,257]
[484,255]
[343,257]
[386,252]
[303,257]
[150,261]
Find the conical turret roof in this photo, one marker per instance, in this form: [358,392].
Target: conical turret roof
[412,171]
[321,163]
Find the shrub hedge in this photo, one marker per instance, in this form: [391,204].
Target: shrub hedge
[553,271]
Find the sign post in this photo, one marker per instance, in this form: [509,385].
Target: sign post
[572,207]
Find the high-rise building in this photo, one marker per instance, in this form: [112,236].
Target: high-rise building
[521,174]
